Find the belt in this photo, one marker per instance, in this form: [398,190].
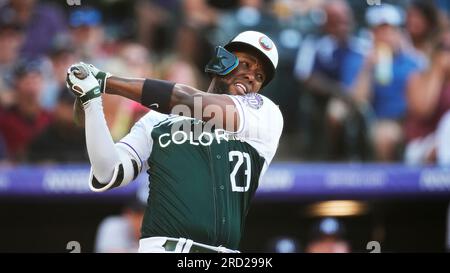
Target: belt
[189,246]
[170,245]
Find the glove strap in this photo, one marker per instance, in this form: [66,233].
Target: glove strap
[93,93]
[101,78]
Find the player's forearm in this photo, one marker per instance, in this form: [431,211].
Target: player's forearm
[126,87]
[133,89]
[100,146]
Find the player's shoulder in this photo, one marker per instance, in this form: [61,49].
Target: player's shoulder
[261,123]
[256,101]
[258,107]
[258,111]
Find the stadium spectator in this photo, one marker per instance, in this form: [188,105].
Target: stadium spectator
[156,21]
[192,46]
[120,113]
[199,13]
[328,66]
[335,56]
[61,55]
[381,84]
[428,101]
[443,131]
[249,14]
[88,34]
[62,141]
[11,40]
[178,70]
[21,122]
[422,26]
[121,233]
[42,21]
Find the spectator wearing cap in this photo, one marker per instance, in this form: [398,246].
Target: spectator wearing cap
[21,122]
[87,34]
[62,141]
[380,88]
[41,22]
[328,66]
[11,40]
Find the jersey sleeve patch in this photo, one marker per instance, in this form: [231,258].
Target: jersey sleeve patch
[253,100]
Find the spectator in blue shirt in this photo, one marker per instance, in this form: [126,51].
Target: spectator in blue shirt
[328,66]
[382,81]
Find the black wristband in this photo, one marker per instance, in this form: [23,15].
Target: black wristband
[156,95]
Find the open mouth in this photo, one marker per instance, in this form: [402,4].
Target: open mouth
[241,87]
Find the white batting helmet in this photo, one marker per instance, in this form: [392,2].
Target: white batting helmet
[262,43]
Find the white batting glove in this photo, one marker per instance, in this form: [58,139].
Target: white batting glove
[82,83]
[100,75]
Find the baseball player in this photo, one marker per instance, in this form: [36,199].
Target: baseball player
[202,178]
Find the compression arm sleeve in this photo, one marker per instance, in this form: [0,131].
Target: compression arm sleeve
[111,166]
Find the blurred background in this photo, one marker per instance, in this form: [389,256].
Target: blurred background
[364,88]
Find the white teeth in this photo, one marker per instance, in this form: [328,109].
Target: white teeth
[241,86]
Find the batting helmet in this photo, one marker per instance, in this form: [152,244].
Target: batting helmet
[224,62]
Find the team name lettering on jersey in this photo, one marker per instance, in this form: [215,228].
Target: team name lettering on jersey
[180,130]
[205,138]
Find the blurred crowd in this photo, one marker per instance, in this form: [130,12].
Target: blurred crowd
[356,81]
[325,235]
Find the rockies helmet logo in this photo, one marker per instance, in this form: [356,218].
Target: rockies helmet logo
[265,43]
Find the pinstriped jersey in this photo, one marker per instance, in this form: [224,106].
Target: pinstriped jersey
[203,180]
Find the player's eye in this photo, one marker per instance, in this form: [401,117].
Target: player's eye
[260,77]
[244,64]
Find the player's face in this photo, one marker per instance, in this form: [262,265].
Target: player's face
[247,77]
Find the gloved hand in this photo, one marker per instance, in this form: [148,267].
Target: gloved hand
[100,75]
[82,83]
